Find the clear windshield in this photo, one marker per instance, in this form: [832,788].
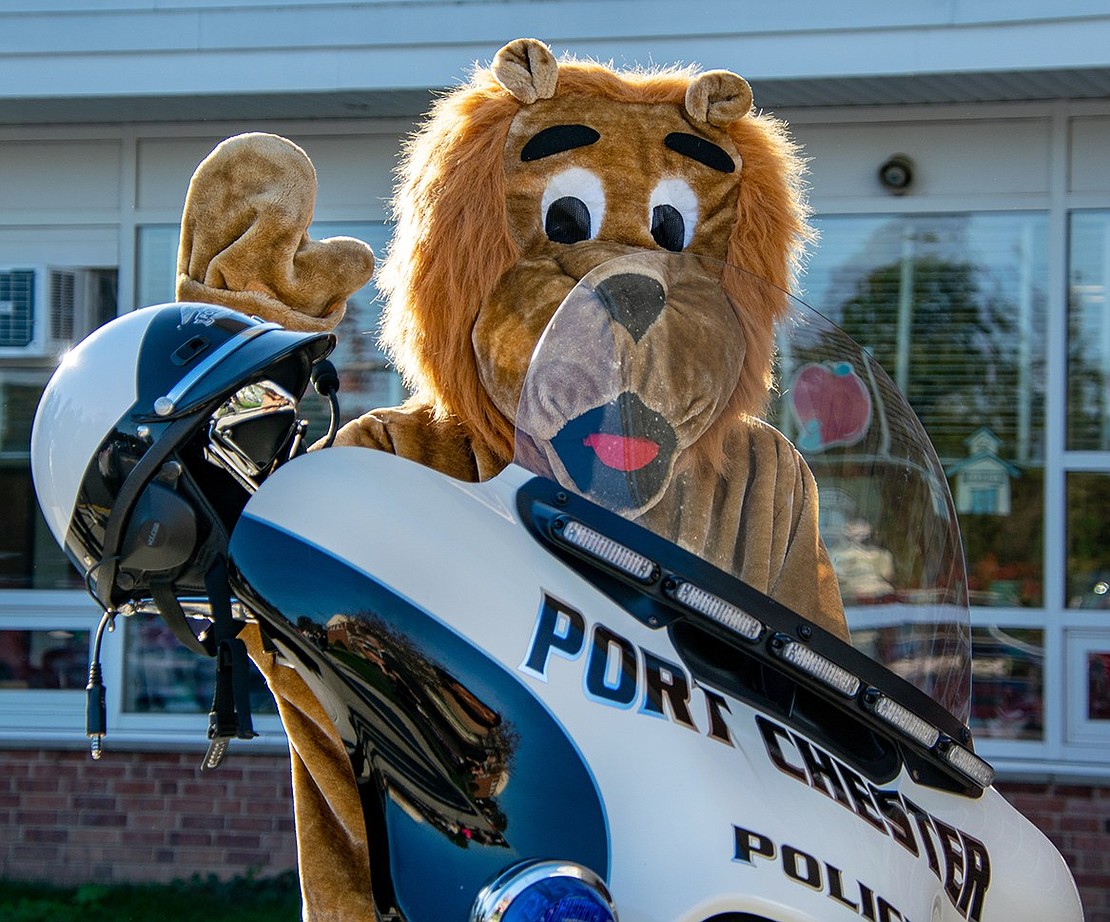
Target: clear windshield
[648,394]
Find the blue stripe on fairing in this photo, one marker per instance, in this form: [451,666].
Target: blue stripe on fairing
[551,800]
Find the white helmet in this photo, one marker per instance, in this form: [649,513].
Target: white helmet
[121,446]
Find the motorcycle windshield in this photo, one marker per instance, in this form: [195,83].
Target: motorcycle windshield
[650,394]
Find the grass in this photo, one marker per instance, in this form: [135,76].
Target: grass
[242,899]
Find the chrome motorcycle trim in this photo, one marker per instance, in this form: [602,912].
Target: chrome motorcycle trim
[497,897]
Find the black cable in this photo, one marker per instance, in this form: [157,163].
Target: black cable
[326,381]
[96,712]
[100,603]
[333,425]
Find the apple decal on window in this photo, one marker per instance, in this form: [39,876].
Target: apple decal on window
[831,404]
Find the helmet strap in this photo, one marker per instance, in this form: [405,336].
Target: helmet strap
[176,620]
[230,717]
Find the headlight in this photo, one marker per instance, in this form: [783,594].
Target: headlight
[551,891]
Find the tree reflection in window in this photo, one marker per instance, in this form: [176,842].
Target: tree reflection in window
[953,307]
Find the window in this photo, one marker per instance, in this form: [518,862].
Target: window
[44,665]
[1088,540]
[161,676]
[953,307]
[75,302]
[29,556]
[43,659]
[1088,689]
[1089,332]
[1088,492]
[1008,678]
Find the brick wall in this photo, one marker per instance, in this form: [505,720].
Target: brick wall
[142,817]
[155,817]
[1077,820]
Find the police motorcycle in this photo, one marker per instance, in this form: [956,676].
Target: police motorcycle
[559,713]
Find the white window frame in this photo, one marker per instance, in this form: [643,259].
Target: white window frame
[56,718]
[1082,732]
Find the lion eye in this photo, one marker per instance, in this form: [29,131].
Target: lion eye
[674,214]
[668,228]
[568,220]
[573,206]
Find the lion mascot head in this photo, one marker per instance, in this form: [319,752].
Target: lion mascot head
[535,173]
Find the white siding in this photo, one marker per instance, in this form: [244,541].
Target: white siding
[39,177]
[354,169]
[966,158]
[1090,151]
[87,48]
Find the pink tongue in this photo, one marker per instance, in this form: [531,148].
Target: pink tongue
[622,453]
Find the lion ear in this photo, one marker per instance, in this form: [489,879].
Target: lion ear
[718,97]
[527,69]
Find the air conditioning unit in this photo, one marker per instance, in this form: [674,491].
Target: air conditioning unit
[44,310]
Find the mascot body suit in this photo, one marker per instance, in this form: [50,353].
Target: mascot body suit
[520,183]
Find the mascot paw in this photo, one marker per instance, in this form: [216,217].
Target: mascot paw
[245,242]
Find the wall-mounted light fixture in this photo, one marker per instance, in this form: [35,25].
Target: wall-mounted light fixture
[896,174]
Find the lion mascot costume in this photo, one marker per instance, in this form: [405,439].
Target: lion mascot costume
[519,184]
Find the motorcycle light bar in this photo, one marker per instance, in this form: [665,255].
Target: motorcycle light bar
[665,571]
[901,718]
[555,891]
[967,763]
[816,666]
[598,546]
[712,606]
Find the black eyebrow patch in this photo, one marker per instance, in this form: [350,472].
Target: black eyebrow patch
[701,150]
[556,139]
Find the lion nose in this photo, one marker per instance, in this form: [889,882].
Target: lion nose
[633,300]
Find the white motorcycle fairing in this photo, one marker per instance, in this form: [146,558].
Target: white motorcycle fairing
[504,698]
[562,698]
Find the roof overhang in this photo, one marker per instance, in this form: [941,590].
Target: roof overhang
[407,103]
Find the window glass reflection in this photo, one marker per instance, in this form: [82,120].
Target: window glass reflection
[1088,535]
[953,307]
[163,677]
[366,378]
[1089,332]
[56,659]
[1098,685]
[29,556]
[1008,682]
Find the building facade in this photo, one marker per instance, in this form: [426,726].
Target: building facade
[958,177]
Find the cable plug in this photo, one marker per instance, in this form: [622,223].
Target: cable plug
[96,712]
